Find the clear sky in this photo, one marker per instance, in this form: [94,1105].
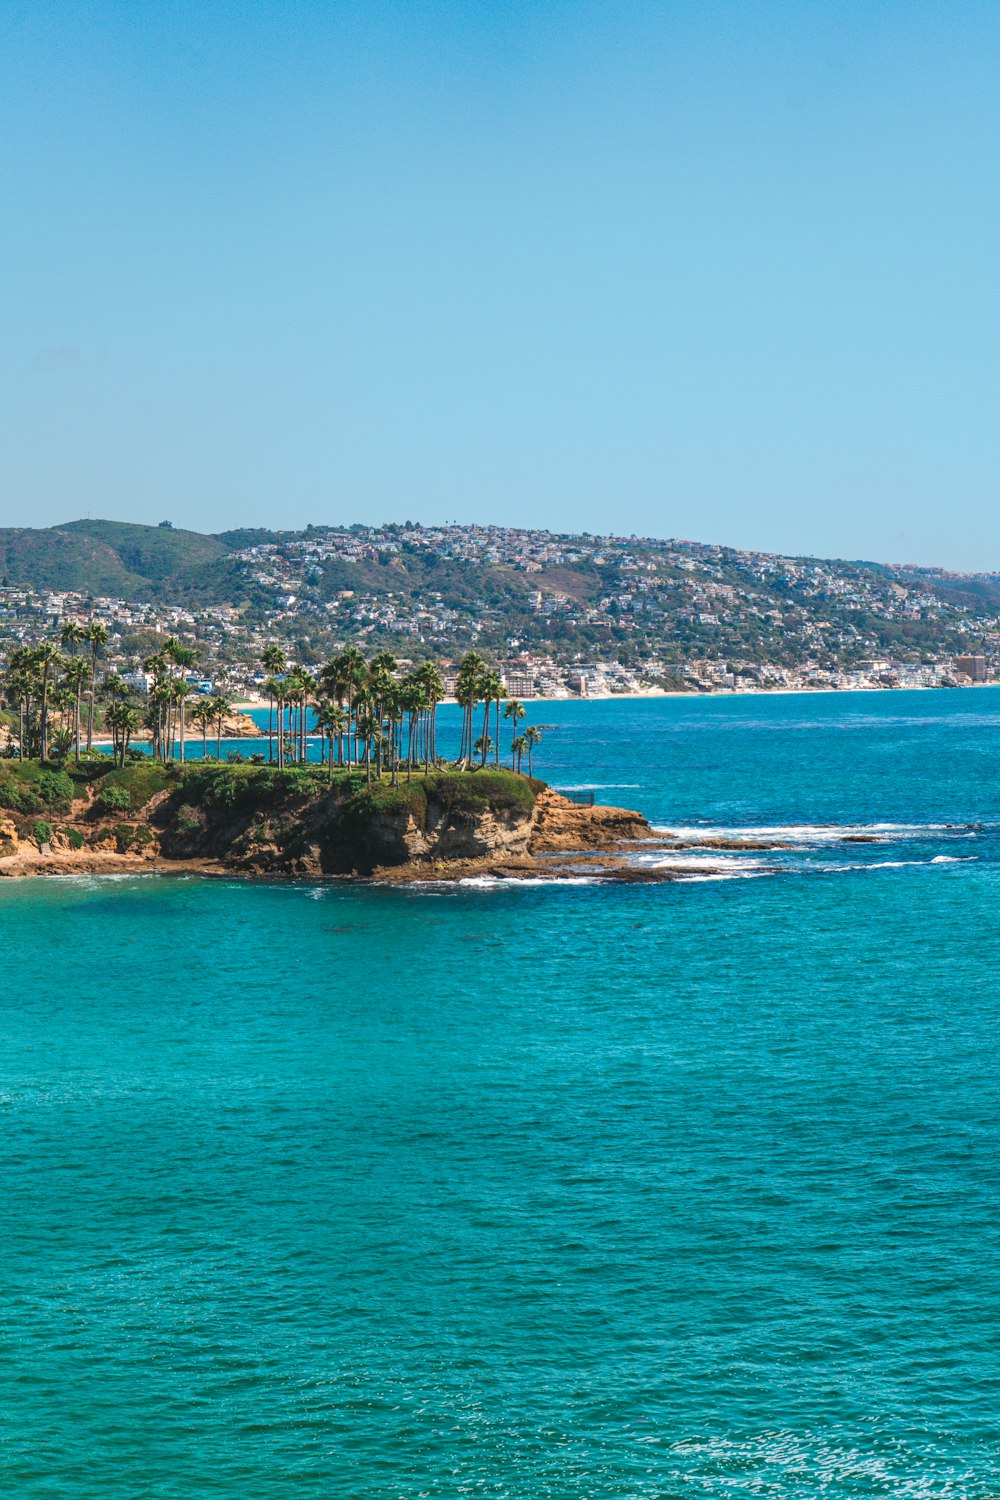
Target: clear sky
[723,271]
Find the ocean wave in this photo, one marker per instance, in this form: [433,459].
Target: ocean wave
[813,833]
[491,882]
[684,861]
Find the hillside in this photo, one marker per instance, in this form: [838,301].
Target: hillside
[108,557]
[505,590]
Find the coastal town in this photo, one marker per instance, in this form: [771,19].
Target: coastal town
[558,615]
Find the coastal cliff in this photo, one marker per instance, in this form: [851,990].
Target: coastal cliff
[259,820]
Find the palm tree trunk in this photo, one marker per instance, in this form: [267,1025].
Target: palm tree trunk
[93,690]
[182,731]
[45,713]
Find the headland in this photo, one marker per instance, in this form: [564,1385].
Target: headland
[442,824]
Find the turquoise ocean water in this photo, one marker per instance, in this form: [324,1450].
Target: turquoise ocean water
[525,1191]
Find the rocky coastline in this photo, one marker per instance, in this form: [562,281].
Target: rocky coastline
[262,823]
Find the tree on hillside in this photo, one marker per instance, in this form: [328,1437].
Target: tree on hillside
[467,694]
[532,737]
[75,675]
[491,690]
[123,719]
[185,658]
[203,714]
[433,687]
[97,635]
[273,661]
[515,710]
[46,659]
[221,706]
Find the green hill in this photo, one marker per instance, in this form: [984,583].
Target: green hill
[109,557]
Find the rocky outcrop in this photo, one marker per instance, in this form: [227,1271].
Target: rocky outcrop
[562,826]
[269,821]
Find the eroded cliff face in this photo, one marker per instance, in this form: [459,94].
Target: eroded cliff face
[330,839]
[560,826]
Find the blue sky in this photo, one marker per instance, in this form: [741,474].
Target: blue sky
[724,271]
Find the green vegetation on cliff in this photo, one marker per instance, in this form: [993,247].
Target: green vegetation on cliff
[266,819]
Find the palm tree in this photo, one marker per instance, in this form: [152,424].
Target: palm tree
[18,688]
[352,669]
[274,687]
[491,690]
[220,708]
[467,693]
[63,699]
[308,691]
[380,688]
[532,737]
[293,691]
[123,720]
[97,635]
[413,702]
[72,632]
[75,675]
[180,691]
[46,657]
[273,660]
[185,657]
[367,727]
[518,746]
[160,699]
[203,713]
[514,711]
[331,719]
[433,687]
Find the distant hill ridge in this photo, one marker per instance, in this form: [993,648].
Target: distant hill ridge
[585,594]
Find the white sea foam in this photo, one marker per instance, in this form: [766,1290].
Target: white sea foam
[492,882]
[812,833]
[681,860]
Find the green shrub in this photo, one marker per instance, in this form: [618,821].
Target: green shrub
[141,780]
[243,788]
[131,837]
[74,838]
[26,787]
[42,833]
[54,788]
[112,799]
[188,820]
[17,795]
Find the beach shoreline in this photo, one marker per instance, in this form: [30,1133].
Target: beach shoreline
[248,705]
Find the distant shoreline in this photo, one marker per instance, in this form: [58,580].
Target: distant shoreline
[246,705]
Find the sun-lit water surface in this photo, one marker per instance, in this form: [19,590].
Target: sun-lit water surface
[678,1190]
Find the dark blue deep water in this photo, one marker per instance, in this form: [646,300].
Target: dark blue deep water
[519,1192]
